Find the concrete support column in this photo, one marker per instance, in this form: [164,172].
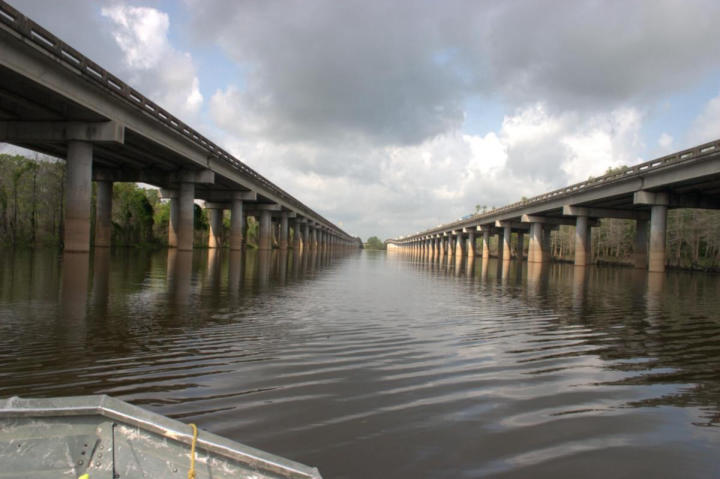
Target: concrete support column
[186,211]
[536,251]
[265,233]
[295,225]
[237,224]
[103,214]
[215,220]
[78,191]
[471,244]
[462,244]
[313,238]
[486,245]
[306,236]
[174,220]
[507,241]
[520,246]
[500,244]
[658,221]
[284,230]
[582,241]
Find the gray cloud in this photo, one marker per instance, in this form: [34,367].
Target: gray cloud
[399,72]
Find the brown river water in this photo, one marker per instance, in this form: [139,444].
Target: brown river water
[374,364]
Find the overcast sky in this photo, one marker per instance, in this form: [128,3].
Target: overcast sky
[391,117]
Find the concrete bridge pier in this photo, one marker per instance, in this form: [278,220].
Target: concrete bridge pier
[186,211]
[486,244]
[237,223]
[284,231]
[538,251]
[296,243]
[303,235]
[313,238]
[658,223]
[658,202]
[78,189]
[506,242]
[471,243]
[461,244]
[265,231]
[103,214]
[582,241]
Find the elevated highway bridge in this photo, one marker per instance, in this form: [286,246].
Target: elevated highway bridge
[55,100]
[644,193]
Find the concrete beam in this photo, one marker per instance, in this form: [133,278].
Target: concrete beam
[515,225]
[210,205]
[229,196]
[267,207]
[61,131]
[193,176]
[570,210]
[659,198]
[554,220]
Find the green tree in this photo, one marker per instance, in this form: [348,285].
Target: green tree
[374,242]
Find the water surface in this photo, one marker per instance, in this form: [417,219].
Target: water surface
[384,365]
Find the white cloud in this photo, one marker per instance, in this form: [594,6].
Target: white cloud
[707,126]
[158,70]
[665,141]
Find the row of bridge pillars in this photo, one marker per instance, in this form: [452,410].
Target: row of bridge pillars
[649,244]
[78,193]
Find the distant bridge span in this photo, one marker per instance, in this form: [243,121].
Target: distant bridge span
[55,100]
[644,192]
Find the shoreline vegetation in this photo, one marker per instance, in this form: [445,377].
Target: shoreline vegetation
[31,215]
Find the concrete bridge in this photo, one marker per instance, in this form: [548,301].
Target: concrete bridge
[644,193]
[56,101]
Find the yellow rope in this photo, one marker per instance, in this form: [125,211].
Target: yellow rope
[191,472]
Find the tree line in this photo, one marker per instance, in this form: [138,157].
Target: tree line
[32,203]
